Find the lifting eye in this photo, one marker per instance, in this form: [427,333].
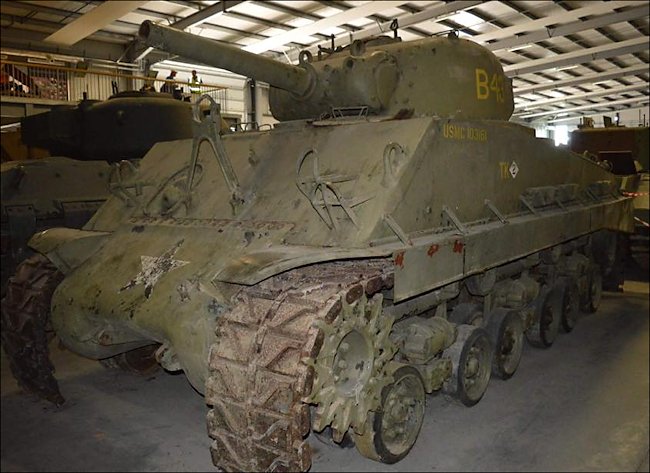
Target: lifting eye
[304,57]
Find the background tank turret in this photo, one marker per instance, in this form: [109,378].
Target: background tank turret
[434,76]
[125,126]
[328,273]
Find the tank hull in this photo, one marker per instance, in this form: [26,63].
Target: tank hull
[167,278]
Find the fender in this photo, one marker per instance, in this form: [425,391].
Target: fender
[457,255]
[67,248]
[251,268]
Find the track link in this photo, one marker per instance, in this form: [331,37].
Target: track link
[259,376]
[26,326]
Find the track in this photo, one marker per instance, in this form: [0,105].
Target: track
[26,326]
[259,366]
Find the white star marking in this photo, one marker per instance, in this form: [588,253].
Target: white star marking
[153,268]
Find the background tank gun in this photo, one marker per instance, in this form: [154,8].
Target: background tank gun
[433,76]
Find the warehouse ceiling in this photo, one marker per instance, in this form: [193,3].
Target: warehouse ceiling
[566,58]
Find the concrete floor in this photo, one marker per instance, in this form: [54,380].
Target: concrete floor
[580,406]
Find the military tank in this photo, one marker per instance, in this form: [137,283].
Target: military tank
[393,236]
[624,150]
[124,126]
[83,140]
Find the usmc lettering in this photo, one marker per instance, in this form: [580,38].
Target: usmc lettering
[458,132]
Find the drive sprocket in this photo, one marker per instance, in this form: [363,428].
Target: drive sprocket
[350,370]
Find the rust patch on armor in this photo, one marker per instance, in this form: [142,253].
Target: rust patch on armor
[432,249]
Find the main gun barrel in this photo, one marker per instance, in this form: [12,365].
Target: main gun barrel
[283,76]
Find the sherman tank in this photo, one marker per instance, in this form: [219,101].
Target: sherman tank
[394,235]
[625,150]
[83,140]
[125,126]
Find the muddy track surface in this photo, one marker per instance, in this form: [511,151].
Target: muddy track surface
[259,366]
[26,326]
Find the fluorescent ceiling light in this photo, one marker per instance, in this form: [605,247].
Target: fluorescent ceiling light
[517,48]
[466,19]
[558,69]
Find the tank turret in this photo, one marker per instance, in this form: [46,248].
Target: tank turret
[125,126]
[443,76]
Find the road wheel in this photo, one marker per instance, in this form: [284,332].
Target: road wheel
[392,430]
[506,331]
[471,357]
[544,331]
[570,304]
[590,300]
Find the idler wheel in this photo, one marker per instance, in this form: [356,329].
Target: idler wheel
[570,304]
[392,430]
[590,300]
[471,357]
[544,331]
[506,331]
